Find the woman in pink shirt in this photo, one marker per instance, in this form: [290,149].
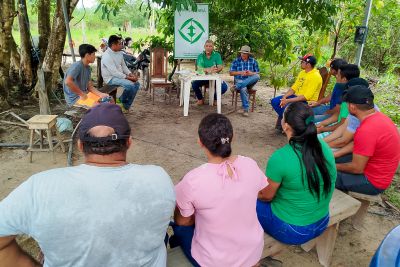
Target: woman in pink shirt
[220,196]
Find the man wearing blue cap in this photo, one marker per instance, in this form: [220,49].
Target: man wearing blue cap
[105,212]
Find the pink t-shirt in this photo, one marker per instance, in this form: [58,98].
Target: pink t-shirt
[227,231]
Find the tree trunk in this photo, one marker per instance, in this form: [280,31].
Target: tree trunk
[25,71]
[44,26]
[7,14]
[53,57]
[15,59]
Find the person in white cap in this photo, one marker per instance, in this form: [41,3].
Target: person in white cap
[246,73]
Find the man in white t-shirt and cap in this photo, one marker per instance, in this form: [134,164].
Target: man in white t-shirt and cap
[105,212]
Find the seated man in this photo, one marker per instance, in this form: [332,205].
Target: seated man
[346,73]
[341,139]
[115,72]
[246,74]
[210,62]
[306,88]
[323,111]
[77,83]
[376,154]
[105,212]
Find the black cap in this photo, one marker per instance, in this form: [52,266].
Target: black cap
[309,58]
[358,94]
[356,81]
[104,114]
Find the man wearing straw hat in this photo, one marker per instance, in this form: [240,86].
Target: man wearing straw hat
[246,72]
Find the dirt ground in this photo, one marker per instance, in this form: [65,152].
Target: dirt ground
[162,136]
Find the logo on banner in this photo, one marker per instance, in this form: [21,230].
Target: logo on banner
[191,31]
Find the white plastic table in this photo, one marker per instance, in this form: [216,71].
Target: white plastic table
[186,84]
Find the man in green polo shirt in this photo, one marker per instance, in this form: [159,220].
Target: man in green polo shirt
[209,62]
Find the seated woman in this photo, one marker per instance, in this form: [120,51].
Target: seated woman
[301,178]
[220,196]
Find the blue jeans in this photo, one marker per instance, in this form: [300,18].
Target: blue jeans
[183,236]
[242,85]
[354,182]
[319,113]
[285,232]
[130,90]
[275,103]
[320,110]
[196,85]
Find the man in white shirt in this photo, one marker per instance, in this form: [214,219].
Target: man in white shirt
[115,72]
[105,212]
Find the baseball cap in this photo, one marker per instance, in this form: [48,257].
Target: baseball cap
[356,81]
[309,58]
[104,114]
[245,49]
[358,94]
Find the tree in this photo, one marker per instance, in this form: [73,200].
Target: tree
[6,21]
[51,42]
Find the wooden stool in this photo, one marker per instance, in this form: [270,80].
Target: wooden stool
[252,97]
[358,218]
[44,123]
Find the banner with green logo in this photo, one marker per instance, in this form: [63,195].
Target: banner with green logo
[191,32]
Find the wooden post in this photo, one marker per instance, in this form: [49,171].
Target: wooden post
[326,244]
[99,77]
[44,105]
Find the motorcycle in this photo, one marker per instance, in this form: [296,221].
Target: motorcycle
[141,63]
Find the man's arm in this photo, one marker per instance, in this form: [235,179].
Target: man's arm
[336,109]
[356,166]
[181,220]
[93,89]
[323,124]
[69,81]
[12,255]
[285,101]
[347,149]
[338,133]
[324,100]
[108,65]
[346,138]
[332,127]
[236,73]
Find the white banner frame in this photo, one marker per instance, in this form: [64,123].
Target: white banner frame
[191,30]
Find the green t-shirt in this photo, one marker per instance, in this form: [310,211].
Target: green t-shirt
[204,62]
[344,111]
[293,202]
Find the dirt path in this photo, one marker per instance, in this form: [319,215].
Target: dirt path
[162,136]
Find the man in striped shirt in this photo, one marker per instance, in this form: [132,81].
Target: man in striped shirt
[246,72]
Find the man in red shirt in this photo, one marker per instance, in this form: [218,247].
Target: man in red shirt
[376,153]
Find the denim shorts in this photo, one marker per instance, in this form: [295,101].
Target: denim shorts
[285,232]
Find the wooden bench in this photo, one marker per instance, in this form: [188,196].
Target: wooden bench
[342,206]
[111,90]
[358,218]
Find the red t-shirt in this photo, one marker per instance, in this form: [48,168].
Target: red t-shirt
[378,138]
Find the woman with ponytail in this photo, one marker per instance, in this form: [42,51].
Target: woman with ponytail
[301,176]
[220,196]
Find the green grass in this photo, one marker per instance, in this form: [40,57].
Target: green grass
[393,192]
[93,36]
